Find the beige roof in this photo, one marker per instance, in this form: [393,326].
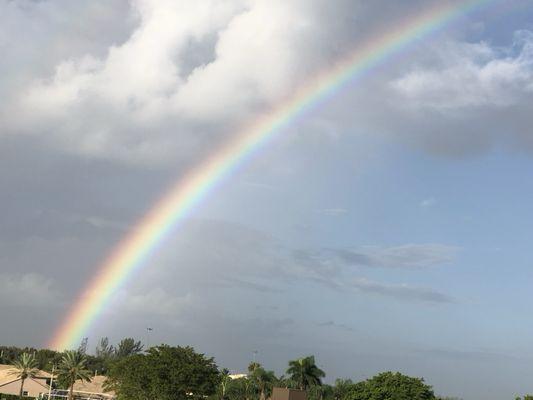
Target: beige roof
[96,385]
[6,374]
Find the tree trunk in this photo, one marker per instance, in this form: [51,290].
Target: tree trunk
[21,388]
[71,392]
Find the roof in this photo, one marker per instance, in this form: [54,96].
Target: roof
[96,385]
[7,374]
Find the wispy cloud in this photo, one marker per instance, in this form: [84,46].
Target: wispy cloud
[334,212]
[402,291]
[429,202]
[410,256]
[333,324]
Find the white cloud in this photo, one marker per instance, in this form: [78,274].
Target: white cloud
[472,75]
[429,202]
[145,101]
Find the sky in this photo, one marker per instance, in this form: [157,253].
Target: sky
[389,229]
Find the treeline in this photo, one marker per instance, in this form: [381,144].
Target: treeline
[98,362]
[179,373]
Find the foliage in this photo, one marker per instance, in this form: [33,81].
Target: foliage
[164,373]
[45,358]
[341,388]
[241,389]
[305,372]
[83,346]
[391,386]
[320,392]
[526,397]
[72,368]
[128,347]
[104,350]
[263,381]
[23,368]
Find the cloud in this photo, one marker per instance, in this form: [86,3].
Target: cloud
[334,212]
[188,75]
[429,202]
[27,290]
[472,75]
[333,324]
[461,98]
[407,256]
[154,302]
[402,292]
[221,255]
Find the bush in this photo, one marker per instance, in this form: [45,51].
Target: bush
[391,386]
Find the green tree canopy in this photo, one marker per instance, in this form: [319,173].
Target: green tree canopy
[128,347]
[391,386]
[263,380]
[164,373]
[305,372]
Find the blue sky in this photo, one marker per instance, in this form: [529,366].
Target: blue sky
[387,230]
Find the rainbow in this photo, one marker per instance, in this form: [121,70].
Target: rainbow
[149,233]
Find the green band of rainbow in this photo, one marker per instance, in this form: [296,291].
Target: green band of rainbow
[132,252]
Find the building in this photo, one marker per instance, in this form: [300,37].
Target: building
[237,376]
[94,388]
[83,390]
[33,387]
[288,394]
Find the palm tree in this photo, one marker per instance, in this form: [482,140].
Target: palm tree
[224,382]
[72,368]
[25,367]
[305,372]
[264,380]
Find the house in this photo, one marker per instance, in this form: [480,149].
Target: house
[83,390]
[33,387]
[288,394]
[93,389]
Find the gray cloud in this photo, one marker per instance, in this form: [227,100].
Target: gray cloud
[404,256]
[29,290]
[402,292]
[333,324]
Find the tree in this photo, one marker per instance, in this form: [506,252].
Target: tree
[25,367]
[72,368]
[305,372]
[104,350]
[341,388]
[128,347]
[253,366]
[164,373]
[264,381]
[224,383]
[321,392]
[241,389]
[83,346]
[388,385]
